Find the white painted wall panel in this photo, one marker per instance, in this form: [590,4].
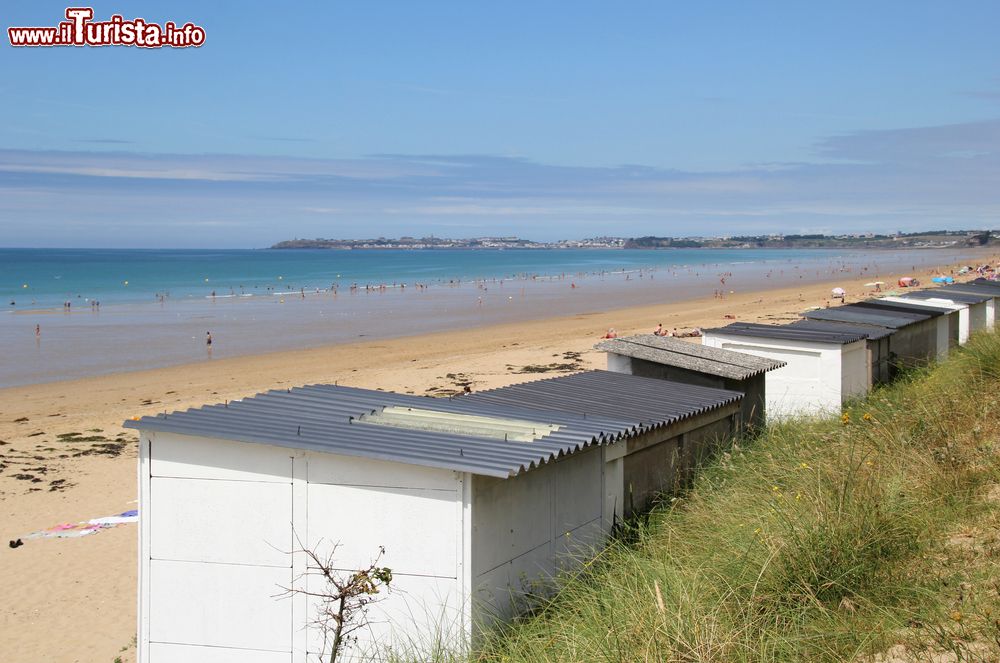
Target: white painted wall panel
[414,613]
[240,522]
[855,370]
[186,456]
[809,384]
[619,363]
[417,527]
[220,605]
[349,471]
[167,653]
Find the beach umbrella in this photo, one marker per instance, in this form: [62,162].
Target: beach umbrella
[838,292]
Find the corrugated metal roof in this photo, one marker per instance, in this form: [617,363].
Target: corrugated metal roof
[642,402]
[878,316]
[990,291]
[788,333]
[873,332]
[326,418]
[899,307]
[690,356]
[983,283]
[950,295]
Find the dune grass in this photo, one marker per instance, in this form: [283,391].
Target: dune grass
[820,540]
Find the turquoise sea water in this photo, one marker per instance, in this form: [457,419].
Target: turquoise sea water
[49,277]
[156,306]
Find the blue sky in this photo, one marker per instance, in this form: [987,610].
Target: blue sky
[542,119]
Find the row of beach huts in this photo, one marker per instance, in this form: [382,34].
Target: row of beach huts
[479,499]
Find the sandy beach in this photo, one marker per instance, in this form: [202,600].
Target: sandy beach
[74,599]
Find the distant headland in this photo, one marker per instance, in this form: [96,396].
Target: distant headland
[935,239]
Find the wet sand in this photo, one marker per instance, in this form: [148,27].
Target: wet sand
[85,341]
[74,599]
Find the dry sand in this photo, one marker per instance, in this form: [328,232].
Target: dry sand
[74,599]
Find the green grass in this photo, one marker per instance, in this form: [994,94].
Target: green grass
[820,540]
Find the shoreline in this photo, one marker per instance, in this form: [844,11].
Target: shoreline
[601,316]
[51,578]
[120,338]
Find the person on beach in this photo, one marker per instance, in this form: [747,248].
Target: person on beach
[659,330]
[208,339]
[38,331]
[611,333]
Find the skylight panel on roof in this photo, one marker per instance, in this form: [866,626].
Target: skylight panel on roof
[514,430]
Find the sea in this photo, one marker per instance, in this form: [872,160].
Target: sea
[71,313]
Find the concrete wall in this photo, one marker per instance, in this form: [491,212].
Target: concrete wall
[920,343]
[526,528]
[219,522]
[879,360]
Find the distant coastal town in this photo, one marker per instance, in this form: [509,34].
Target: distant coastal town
[940,239]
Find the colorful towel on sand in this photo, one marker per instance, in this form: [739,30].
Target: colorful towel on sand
[85,527]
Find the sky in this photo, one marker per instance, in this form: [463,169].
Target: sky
[542,119]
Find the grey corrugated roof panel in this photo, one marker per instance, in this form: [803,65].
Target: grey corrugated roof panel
[950,295]
[690,356]
[873,332]
[460,453]
[973,288]
[325,418]
[989,283]
[646,403]
[872,316]
[900,307]
[787,333]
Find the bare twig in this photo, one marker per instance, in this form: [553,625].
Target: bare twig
[345,597]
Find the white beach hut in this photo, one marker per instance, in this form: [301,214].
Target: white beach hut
[823,368]
[667,358]
[473,500]
[880,363]
[971,310]
[988,289]
[921,334]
